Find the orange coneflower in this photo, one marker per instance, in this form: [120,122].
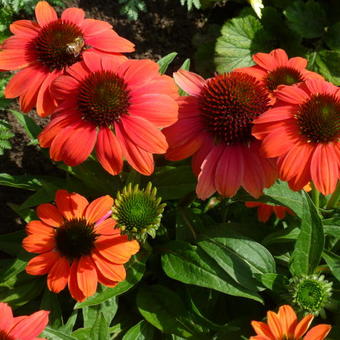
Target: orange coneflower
[26,327]
[116,108]
[215,127]
[284,325]
[275,68]
[78,245]
[43,49]
[304,132]
[264,211]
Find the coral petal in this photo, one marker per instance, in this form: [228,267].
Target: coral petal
[41,264]
[87,276]
[98,208]
[45,13]
[58,275]
[190,82]
[49,214]
[71,205]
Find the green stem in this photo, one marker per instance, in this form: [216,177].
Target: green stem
[334,198]
[315,196]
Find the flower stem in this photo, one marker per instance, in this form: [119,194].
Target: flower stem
[334,198]
[315,196]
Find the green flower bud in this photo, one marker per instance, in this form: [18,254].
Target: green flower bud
[138,212]
[310,293]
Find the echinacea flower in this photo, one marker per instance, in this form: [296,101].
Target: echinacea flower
[26,327]
[264,211]
[138,212]
[304,133]
[284,325]
[214,125]
[78,245]
[275,68]
[116,108]
[44,48]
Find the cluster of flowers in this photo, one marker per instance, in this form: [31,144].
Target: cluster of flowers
[243,129]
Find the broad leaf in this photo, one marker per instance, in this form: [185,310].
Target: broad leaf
[240,38]
[333,262]
[191,264]
[141,331]
[328,65]
[100,329]
[310,242]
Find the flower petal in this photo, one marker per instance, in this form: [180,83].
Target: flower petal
[71,205]
[98,208]
[58,275]
[74,15]
[6,319]
[109,152]
[303,325]
[41,264]
[45,13]
[39,243]
[318,332]
[189,82]
[75,292]
[87,276]
[50,215]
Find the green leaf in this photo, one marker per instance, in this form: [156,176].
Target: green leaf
[107,308]
[100,329]
[240,38]
[332,230]
[53,334]
[134,273]
[190,264]
[280,193]
[5,135]
[166,61]
[141,331]
[32,129]
[332,37]
[274,282]
[174,183]
[11,243]
[185,66]
[306,18]
[282,236]
[329,66]
[20,181]
[82,333]
[240,257]
[191,3]
[50,302]
[164,309]
[310,242]
[333,262]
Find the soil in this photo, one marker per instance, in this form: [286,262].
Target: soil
[165,27]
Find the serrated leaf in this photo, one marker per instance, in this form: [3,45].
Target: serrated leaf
[328,65]
[310,242]
[166,61]
[306,18]
[240,38]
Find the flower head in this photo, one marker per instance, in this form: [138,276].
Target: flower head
[138,212]
[78,245]
[284,325]
[215,127]
[26,327]
[307,119]
[275,68]
[264,210]
[45,48]
[310,293]
[118,108]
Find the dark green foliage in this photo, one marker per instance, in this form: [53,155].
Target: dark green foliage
[5,135]
[132,8]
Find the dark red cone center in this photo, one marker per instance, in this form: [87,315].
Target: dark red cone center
[283,76]
[229,104]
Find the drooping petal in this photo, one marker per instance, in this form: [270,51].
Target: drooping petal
[12,59]
[45,13]
[109,151]
[324,168]
[98,208]
[291,94]
[206,179]
[45,102]
[6,319]
[58,275]
[107,228]
[303,325]
[27,28]
[36,226]
[49,214]
[41,264]
[229,171]
[144,134]
[71,205]
[190,82]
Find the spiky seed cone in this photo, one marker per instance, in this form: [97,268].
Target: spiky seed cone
[310,293]
[138,212]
